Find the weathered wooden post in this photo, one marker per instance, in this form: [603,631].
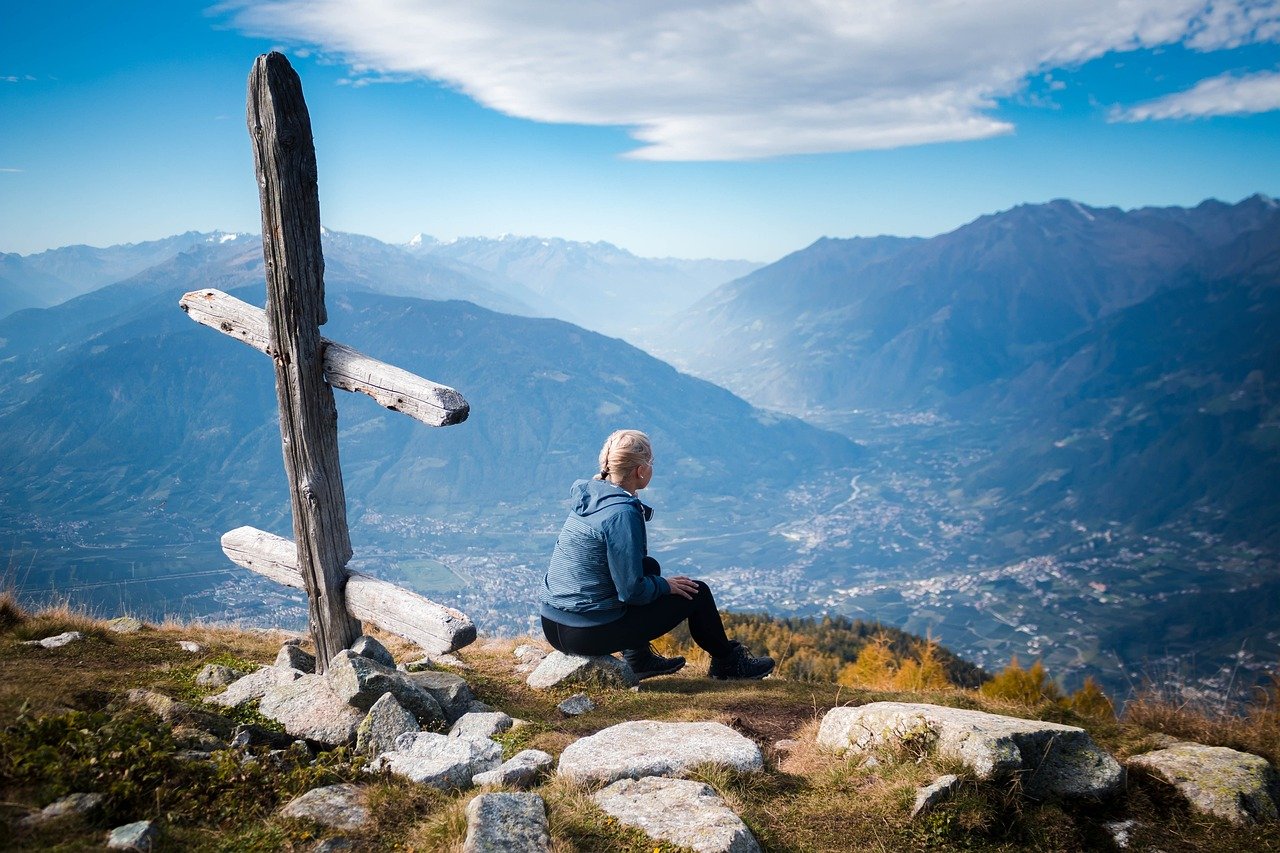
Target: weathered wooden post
[307,365]
[284,159]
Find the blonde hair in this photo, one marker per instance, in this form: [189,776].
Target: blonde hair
[623,452]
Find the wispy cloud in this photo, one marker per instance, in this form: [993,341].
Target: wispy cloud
[1226,95]
[6,169]
[742,79]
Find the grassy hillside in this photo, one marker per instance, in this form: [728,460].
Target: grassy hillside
[67,729]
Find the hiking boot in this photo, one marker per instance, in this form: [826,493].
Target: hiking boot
[739,664]
[646,663]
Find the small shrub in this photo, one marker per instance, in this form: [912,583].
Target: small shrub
[1027,687]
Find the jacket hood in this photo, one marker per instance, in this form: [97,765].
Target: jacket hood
[592,496]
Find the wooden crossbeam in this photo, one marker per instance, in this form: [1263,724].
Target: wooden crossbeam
[434,627]
[398,390]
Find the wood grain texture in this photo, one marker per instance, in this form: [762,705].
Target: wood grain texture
[284,159]
[399,390]
[434,627]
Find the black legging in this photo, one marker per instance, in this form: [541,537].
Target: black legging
[646,622]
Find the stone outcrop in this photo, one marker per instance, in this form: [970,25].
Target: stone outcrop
[576,705]
[383,725]
[253,686]
[309,708]
[217,675]
[140,835]
[933,794]
[451,691]
[125,625]
[361,681]
[1235,786]
[507,823]
[650,748]
[519,771]
[679,811]
[69,806]
[368,647]
[293,656]
[559,669]
[439,760]
[344,806]
[1052,760]
[177,713]
[480,724]
[57,641]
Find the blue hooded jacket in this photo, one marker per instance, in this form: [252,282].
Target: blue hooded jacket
[597,567]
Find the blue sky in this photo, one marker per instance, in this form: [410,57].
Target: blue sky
[717,128]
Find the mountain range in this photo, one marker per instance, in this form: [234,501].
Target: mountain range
[1050,432]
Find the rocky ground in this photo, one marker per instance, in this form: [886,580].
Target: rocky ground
[135,736]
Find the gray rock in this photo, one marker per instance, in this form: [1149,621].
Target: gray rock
[217,675]
[69,806]
[507,823]
[558,668]
[386,721]
[450,660]
[480,725]
[194,738]
[309,708]
[679,811]
[177,713]
[529,657]
[333,845]
[140,835]
[248,734]
[361,682]
[59,640]
[190,646]
[1121,831]
[368,647]
[293,656]
[578,703]
[450,690]
[438,760]
[125,625]
[938,791]
[649,748]
[475,706]
[343,807]
[520,771]
[1235,786]
[1052,760]
[253,686]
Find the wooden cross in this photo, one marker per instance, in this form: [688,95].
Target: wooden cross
[308,366]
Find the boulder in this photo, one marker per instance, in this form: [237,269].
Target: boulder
[507,823]
[1235,786]
[520,771]
[650,748]
[559,669]
[680,811]
[253,686]
[1052,760]
[217,675]
[361,681]
[936,792]
[293,656]
[386,721]
[57,641]
[309,708]
[450,690]
[68,806]
[124,625]
[529,657]
[343,807]
[439,760]
[140,835]
[368,647]
[480,725]
[576,705]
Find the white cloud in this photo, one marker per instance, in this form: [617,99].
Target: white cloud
[1226,95]
[7,169]
[741,79]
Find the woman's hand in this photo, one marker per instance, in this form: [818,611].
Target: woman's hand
[682,586]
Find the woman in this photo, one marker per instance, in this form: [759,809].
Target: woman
[603,593]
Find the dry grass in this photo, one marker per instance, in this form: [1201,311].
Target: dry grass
[806,800]
[1256,729]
